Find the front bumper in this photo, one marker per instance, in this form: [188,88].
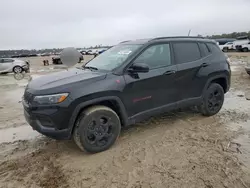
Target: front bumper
[45,125]
[26,68]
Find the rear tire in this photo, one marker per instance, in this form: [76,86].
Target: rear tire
[96,129]
[213,99]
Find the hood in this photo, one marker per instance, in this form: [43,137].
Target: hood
[63,78]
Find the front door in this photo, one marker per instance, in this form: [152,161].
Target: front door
[154,89]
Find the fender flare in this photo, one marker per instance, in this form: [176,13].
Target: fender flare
[82,105]
[209,81]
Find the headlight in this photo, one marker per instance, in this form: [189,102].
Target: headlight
[51,99]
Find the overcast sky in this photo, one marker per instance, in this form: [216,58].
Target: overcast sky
[61,23]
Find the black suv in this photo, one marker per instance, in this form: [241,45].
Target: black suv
[126,84]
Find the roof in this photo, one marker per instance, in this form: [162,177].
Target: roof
[173,38]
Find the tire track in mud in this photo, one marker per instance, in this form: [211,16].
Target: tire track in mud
[186,150]
[39,168]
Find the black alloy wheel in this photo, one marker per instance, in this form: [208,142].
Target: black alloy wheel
[213,99]
[97,129]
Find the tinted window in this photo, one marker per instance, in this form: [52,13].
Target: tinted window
[155,56]
[186,52]
[204,49]
[214,48]
[7,60]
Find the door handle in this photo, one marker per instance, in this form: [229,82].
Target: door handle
[170,72]
[204,64]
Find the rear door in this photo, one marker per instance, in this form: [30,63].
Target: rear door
[190,61]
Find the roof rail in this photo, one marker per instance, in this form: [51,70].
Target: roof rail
[124,41]
[159,38]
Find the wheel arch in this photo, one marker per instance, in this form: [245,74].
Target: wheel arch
[221,79]
[112,102]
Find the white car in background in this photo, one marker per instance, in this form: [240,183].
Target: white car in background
[245,47]
[8,65]
[237,45]
[226,47]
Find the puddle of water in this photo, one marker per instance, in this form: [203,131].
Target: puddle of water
[235,68]
[236,100]
[243,140]
[13,96]
[17,133]
[34,76]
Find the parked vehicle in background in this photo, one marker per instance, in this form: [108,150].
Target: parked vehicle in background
[8,65]
[101,51]
[237,45]
[83,52]
[126,84]
[45,54]
[57,60]
[226,47]
[223,41]
[245,47]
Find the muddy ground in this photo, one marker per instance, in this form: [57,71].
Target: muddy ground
[178,149]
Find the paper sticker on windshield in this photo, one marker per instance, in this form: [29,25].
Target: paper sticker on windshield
[125,52]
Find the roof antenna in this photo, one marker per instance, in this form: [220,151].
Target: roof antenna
[189,32]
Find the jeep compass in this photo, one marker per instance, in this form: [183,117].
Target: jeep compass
[126,84]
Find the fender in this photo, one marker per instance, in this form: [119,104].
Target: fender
[222,75]
[82,105]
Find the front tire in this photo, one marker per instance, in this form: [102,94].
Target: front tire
[17,69]
[225,49]
[97,129]
[245,49]
[213,99]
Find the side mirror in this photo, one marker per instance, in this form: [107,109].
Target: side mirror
[138,67]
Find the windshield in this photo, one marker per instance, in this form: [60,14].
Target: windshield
[113,57]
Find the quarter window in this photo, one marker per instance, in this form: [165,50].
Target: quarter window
[156,56]
[204,49]
[214,48]
[186,52]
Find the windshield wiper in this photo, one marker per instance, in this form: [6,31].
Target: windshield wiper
[89,67]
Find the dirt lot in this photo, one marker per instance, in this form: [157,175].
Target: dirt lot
[178,149]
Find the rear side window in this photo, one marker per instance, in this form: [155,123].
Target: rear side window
[205,51]
[186,52]
[214,48]
[8,60]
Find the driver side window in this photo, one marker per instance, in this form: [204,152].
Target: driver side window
[155,56]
